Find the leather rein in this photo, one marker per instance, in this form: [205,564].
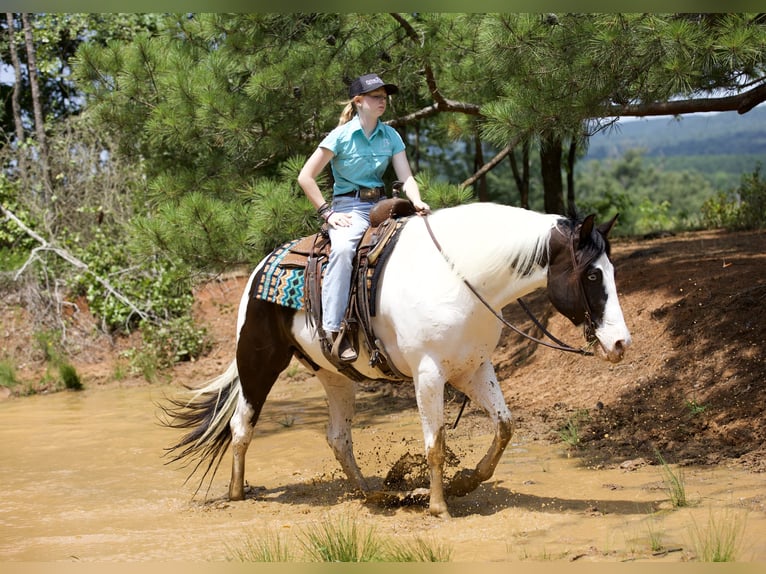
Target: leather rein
[557,344]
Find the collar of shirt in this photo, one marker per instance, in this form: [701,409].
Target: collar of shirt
[356,125]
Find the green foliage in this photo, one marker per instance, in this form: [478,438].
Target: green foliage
[742,208]
[346,541]
[419,550]
[175,340]
[280,212]
[66,375]
[266,548]
[165,344]
[215,104]
[15,245]
[337,541]
[674,483]
[438,194]
[200,230]
[47,343]
[647,197]
[721,539]
[8,376]
[157,286]
[70,377]
[342,542]
[722,210]
[571,432]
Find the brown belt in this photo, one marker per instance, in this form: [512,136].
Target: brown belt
[365,193]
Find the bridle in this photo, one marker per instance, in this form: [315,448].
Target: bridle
[557,344]
[590,329]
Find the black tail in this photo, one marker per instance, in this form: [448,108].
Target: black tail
[207,413]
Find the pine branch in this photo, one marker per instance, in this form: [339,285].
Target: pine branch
[65,255]
[741,103]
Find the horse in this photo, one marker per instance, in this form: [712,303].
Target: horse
[436,316]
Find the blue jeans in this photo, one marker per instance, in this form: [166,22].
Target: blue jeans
[343,241]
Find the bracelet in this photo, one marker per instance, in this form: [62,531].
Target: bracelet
[324,208]
[327,215]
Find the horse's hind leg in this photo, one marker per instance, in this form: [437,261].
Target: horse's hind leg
[341,405]
[484,389]
[263,352]
[241,433]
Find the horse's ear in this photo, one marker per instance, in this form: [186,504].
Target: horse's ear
[605,228]
[586,228]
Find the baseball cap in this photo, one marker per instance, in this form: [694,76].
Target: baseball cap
[368,83]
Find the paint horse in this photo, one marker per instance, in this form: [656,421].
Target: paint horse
[434,319]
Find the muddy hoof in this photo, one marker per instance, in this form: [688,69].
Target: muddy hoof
[462,483]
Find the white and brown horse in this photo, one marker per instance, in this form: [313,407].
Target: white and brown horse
[433,326]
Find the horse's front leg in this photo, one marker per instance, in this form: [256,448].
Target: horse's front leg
[341,404]
[429,391]
[483,388]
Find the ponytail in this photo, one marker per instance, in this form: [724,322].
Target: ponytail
[348,112]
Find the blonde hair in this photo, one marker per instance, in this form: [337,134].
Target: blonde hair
[348,112]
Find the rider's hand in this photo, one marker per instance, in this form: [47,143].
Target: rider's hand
[421,207]
[339,219]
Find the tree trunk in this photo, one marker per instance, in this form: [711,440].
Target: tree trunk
[522,179]
[37,107]
[478,161]
[15,96]
[550,168]
[571,159]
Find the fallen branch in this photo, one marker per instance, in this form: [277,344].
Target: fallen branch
[65,255]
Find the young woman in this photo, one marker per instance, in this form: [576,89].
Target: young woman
[359,151]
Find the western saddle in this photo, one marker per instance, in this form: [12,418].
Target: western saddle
[387,217]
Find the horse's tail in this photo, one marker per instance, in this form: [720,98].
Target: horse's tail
[207,413]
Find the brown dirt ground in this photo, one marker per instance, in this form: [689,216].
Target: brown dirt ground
[692,386]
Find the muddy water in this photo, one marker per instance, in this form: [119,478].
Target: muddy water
[82,479]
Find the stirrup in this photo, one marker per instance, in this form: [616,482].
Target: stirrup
[348,354]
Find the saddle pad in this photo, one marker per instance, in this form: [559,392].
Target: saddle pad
[283,285]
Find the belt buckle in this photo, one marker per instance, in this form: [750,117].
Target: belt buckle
[369,194]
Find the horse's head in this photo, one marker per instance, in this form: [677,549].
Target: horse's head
[581,284]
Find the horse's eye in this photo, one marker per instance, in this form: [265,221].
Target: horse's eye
[593,276]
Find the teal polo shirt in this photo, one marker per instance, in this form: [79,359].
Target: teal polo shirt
[360,161]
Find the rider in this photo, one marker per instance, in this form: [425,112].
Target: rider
[359,150]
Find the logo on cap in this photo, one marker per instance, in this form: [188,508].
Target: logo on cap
[368,83]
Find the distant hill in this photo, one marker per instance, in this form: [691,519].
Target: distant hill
[720,134]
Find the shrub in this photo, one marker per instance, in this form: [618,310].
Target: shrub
[742,208]
[70,377]
[7,375]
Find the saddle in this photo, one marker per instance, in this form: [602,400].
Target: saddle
[387,217]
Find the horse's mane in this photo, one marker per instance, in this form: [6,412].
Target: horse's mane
[502,238]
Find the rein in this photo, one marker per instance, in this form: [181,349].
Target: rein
[557,344]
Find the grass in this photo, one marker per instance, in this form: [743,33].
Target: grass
[270,548]
[571,433]
[8,375]
[655,534]
[674,483]
[720,540]
[58,373]
[344,540]
[70,377]
[694,407]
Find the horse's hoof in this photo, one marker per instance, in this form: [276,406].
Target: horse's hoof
[238,494]
[463,482]
[439,510]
